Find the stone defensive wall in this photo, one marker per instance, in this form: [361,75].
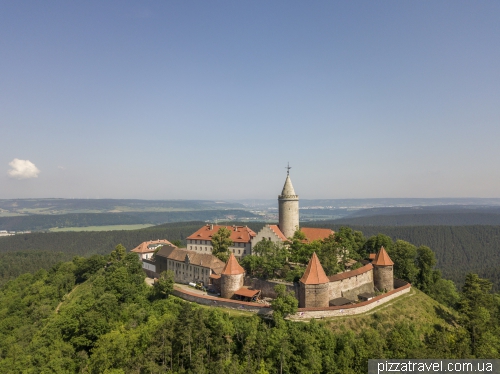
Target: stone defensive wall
[219,302]
[267,286]
[352,309]
[302,313]
[351,283]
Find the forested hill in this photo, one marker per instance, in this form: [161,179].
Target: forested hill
[40,222]
[422,216]
[30,252]
[97,315]
[45,206]
[458,249]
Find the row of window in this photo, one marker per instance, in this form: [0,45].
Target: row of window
[194,268]
[208,242]
[201,249]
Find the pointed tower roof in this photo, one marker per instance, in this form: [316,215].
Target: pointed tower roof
[232,267]
[288,188]
[382,258]
[314,273]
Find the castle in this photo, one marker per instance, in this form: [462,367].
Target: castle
[314,290]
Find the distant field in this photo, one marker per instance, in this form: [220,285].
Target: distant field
[101,228]
[9,214]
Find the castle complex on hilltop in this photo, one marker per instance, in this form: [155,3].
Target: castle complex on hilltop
[314,290]
[244,239]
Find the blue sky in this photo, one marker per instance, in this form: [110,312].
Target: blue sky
[211,99]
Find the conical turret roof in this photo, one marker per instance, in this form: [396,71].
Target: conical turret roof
[382,258]
[232,267]
[288,188]
[314,273]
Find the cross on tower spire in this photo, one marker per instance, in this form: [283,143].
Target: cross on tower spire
[288,169]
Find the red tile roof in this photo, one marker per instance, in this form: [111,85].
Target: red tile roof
[199,259]
[232,267]
[352,273]
[278,232]
[314,273]
[239,234]
[372,256]
[145,247]
[245,292]
[313,233]
[382,258]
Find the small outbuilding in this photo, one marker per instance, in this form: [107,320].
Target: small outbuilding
[247,294]
[339,301]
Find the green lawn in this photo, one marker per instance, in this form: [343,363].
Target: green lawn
[101,228]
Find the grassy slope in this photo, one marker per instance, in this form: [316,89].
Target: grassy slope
[415,306]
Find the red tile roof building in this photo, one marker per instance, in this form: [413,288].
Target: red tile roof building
[188,266]
[241,236]
[145,250]
[312,233]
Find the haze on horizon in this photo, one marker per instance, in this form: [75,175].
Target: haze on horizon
[210,100]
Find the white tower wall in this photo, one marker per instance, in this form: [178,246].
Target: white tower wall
[288,209]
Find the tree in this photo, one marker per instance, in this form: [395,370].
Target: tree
[220,243]
[403,254]
[329,254]
[273,257]
[477,306]
[351,241]
[425,261]
[177,243]
[119,253]
[285,303]
[165,284]
[374,243]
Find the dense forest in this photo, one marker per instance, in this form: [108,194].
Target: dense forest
[39,222]
[30,252]
[38,206]
[459,218]
[97,315]
[459,249]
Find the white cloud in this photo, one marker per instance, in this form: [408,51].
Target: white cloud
[23,169]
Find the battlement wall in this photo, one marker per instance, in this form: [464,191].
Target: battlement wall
[267,286]
[220,302]
[353,309]
[351,283]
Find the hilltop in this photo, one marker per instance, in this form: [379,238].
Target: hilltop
[98,314]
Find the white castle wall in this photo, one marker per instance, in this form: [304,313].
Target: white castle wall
[265,233]
[351,287]
[288,215]
[350,309]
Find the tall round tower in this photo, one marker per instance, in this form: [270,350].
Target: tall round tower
[288,208]
[383,278]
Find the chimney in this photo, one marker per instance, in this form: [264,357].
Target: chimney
[211,227]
